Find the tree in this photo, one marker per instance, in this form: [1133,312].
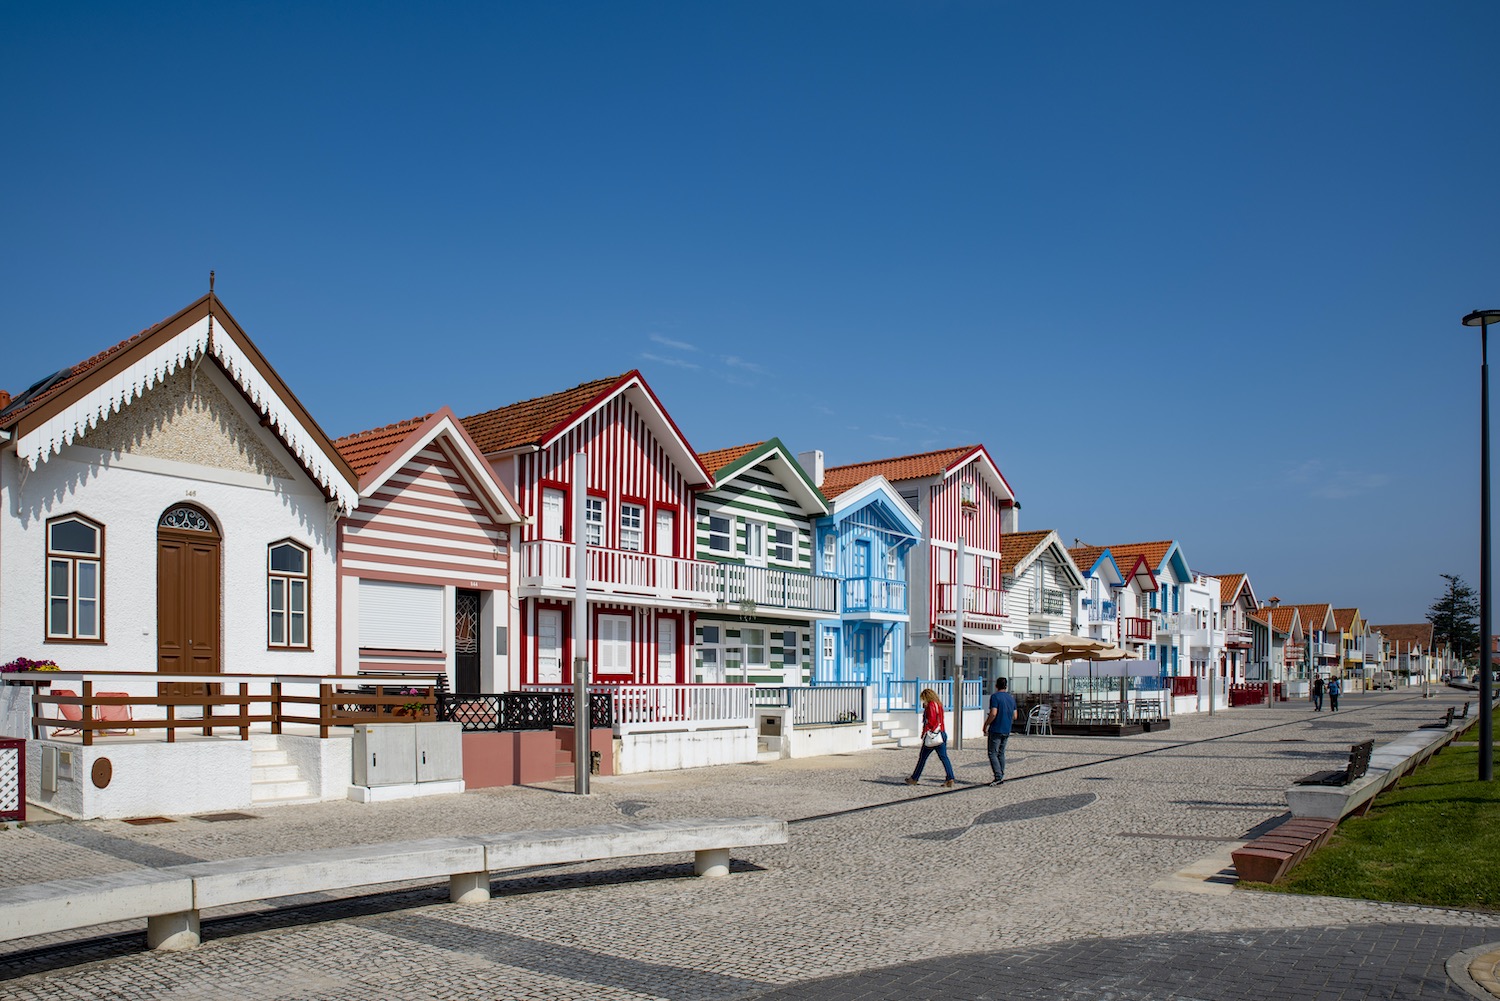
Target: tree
[1454,618]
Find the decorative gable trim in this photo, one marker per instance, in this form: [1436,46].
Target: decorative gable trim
[633,386]
[787,470]
[445,424]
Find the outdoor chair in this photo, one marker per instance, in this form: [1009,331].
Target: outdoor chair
[66,712]
[1039,720]
[116,714]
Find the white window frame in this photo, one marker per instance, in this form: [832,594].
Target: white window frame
[757,650]
[791,652]
[72,561]
[782,552]
[721,541]
[613,643]
[632,527]
[593,521]
[831,553]
[292,610]
[755,542]
[550,530]
[830,647]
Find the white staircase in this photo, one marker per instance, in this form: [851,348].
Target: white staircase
[893,730]
[274,778]
[768,749]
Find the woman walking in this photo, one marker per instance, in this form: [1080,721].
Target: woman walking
[934,738]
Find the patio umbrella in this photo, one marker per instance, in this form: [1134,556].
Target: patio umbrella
[1100,651]
[1059,644]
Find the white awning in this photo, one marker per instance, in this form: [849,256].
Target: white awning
[990,639]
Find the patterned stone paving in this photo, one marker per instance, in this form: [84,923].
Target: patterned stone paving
[1058,884]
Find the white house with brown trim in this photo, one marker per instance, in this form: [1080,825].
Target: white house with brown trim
[169,505]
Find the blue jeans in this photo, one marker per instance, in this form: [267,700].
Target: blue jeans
[942,753]
[997,753]
[1317,702]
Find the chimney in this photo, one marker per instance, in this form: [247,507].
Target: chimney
[4,399]
[1273,601]
[812,463]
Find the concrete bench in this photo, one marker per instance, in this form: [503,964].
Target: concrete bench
[171,899]
[1387,764]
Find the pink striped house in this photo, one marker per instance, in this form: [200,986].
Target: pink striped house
[424,561]
[956,491]
[643,582]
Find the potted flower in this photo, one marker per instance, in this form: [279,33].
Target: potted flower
[21,664]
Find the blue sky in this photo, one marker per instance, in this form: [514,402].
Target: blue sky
[1189,270]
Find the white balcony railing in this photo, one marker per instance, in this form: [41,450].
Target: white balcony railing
[1099,611]
[874,594]
[644,708]
[987,601]
[549,564]
[773,587]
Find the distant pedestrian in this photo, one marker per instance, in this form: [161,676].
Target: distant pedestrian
[1335,688]
[1317,693]
[932,723]
[997,726]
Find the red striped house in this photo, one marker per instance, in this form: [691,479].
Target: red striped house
[642,579]
[958,492]
[425,560]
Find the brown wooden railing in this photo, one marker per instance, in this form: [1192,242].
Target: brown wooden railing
[226,702]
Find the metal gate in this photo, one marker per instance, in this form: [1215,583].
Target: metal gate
[12,778]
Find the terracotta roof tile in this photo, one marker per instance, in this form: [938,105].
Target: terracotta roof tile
[1229,586]
[1154,552]
[1016,546]
[1312,615]
[364,450]
[1086,556]
[719,458]
[1281,616]
[529,421]
[1415,634]
[1344,617]
[838,479]
[77,372]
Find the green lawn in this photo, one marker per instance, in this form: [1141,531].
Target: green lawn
[1434,839]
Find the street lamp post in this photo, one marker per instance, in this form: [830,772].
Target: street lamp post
[1482,318]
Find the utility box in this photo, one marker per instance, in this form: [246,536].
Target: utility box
[440,751]
[385,754]
[770,724]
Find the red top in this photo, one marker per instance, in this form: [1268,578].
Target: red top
[932,716]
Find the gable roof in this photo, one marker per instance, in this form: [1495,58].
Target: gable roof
[70,403]
[1090,559]
[943,462]
[1156,554]
[1230,586]
[1019,550]
[1345,618]
[1314,616]
[1283,618]
[1408,636]
[879,491]
[379,453]
[538,422]
[727,463]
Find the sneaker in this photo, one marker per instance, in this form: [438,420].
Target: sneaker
[911,782]
[948,784]
[998,782]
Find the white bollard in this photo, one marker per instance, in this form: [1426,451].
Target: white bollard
[711,862]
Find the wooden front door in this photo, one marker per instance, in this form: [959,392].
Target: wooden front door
[187,597]
[466,642]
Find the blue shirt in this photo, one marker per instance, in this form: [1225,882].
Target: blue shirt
[1004,705]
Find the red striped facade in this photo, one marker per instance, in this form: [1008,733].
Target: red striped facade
[627,464]
[980,525]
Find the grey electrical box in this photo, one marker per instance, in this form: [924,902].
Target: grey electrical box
[389,754]
[770,726]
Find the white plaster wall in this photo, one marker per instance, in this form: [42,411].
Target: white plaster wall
[206,775]
[656,752]
[812,741]
[327,765]
[127,495]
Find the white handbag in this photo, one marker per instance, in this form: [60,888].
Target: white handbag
[932,738]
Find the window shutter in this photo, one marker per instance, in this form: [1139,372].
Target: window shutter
[396,616]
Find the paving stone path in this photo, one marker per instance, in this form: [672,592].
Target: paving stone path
[1093,872]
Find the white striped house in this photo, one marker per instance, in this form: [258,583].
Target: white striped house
[425,561]
[643,580]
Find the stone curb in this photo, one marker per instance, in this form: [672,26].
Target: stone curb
[1474,971]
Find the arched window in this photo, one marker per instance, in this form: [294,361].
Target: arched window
[288,578]
[75,579]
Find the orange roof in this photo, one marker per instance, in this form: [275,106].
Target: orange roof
[1344,618]
[1016,546]
[527,422]
[837,479]
[1312,615]
[1229,587]
[719,458]
[1086,556]
[1406,637]
[364,449]
[1154,552]
[78,371]
[1281,616]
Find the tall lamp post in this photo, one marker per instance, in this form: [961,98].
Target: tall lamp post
[1482,318]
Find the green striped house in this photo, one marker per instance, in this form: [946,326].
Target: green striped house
[757,520]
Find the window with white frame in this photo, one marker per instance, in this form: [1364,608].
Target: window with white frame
[830,553]
[614,644]
[830,647]
[75,572]
[593,521]
[288,573]
[632,521]
[892,565]
[986,573]
[708,646]
[783,545]
[755,541]
[755,647]
[789,648]
[720,533]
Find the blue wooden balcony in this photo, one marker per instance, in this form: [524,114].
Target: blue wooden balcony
[875,594]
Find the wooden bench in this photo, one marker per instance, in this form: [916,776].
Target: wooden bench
[1272,855]
[1359,763]
[1443,723]
[171,898]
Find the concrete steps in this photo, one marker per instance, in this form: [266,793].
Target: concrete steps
[893,730]
[274,778]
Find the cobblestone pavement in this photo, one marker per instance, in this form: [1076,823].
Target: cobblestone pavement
[1090,873]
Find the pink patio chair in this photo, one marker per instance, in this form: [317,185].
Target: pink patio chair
[67,712]
[115,714]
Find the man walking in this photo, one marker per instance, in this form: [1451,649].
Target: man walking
[1317,694]
[997,724]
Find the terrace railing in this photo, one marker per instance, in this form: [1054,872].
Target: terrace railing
[988,601]
[906,694]
[874,594]
[772,587]
[12,778]
[1099,611]
[1134,628]
[549,564]
[511,711]
[817,705]
[647,708]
